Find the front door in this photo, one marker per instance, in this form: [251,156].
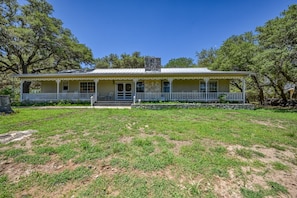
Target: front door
[124,91]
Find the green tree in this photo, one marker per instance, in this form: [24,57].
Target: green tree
[103,62]
[206,57]
[32,41]
[180,62]
[237,53]
[277,59]
[271,55]
[123,61]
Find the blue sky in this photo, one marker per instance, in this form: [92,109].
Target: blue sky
[162,28]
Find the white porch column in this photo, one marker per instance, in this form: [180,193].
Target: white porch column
[170,88]
[243,90]
[135,85]
[58,88]
[96,89]
[206,88]
[21,90]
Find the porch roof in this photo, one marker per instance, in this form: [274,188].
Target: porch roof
[138,73]
[142,71]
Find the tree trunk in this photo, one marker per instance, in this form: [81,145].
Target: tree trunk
[26,87]
[26,84]
[278,88]
[260,90]
[237,85]
[282,93]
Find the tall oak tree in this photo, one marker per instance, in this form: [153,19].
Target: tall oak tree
[33,41]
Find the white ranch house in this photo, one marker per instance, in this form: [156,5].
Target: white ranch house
[138,84]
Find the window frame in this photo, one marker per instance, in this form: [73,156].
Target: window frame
[140,86]
[166,87]
[212,86]
[65,85]
[87,87]
[202,86]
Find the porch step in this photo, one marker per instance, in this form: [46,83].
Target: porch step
[113,103]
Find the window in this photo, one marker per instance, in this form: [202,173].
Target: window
[65,85]
[87,87]
[140,87]
[202,86]
[120,87]
[128,87]
[166,87]
[213,86]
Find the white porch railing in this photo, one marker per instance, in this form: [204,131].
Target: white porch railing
[55,96]
[150,96]
[145,96]
[189,96]
[39,96]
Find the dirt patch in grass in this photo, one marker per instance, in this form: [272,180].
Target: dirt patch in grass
[227,187]
[258,173]
[263,171]
[34,191]
[265,154]
[177,144]
[103,169]
[126,140]
[268,124]
[15,171]
[68,136]
[64,190]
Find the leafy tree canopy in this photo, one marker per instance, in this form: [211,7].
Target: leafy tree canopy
[206,57]
[271,54]
[236,53]
[32,41]
[180,62]
[278,44]
[123,61]
[277,56]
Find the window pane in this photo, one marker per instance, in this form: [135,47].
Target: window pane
[202,86]
[120,87]
[91,87]
[87,87]
[83,87]
[166,87]
[128,87]
[212,86]
[140,87]
[65,85]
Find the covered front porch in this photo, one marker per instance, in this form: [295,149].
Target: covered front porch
[137,90]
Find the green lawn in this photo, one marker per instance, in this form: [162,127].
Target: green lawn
[150,153]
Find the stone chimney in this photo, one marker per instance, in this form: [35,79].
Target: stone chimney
[152,64]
